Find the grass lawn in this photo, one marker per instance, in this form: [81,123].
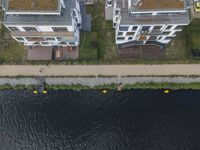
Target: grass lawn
[180,47]
[104,36]
[196,41]
[88,46]
[194,30]
[10,50]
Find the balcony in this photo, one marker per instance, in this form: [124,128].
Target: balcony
[41,34]
[152,32]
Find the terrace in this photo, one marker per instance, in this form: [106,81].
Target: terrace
[156,4]
[33,5]
[39,34]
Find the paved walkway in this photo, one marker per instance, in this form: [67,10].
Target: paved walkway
[94,70]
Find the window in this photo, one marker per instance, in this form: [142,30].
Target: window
[142,38]
[120,38]
[120,33]
[130,33]
[123,28]
[20,39]
[168,38]
[37,43]
[134,28]
[76,19]
[13,28]
[145,14]
[145,28]
[116,12]
[38,39]
[60,29]
[59,38]
[130,38]
[159,38]
[64,43]
[72,43]
[157,27]
[78,25]
[74,13]
[180,27]
[152,38]
[168,27]
[44,43]
[166,32]
[50,39]
[30,29]
[117,19]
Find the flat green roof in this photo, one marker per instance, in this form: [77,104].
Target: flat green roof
[156,4]
[33,5]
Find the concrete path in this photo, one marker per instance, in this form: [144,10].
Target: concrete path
[94,70]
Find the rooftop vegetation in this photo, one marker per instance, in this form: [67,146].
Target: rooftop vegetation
[33,4]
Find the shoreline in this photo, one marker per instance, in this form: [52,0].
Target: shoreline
[143,86]
[85,83]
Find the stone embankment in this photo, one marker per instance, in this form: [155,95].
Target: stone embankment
[96,81]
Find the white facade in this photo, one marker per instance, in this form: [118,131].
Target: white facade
[53,34]
[140,28]
[127,33]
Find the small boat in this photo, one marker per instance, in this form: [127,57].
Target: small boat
[35,92]
[40,88]
[166,91]
[104,91]
[44,92]
[40,92]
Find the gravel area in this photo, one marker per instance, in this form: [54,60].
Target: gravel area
[95,81]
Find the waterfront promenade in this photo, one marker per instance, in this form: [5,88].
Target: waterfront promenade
[98,70]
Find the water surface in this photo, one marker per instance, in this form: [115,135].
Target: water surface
[89,120]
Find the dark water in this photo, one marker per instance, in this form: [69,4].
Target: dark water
[89,120]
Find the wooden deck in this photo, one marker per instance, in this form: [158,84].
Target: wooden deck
[68,53]
[39,53]
[145,51]
[49,53]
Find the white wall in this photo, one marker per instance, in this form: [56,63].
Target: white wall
[45,28]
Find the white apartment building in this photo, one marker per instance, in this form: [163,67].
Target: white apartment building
[44,22]
[139,22]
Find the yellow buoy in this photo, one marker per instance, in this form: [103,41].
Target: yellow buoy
[44,92]
[35,92]
[166,91]
[104,91]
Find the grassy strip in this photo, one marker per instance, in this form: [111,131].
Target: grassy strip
[78,87]
[16,87]
[10,50]
[164,85]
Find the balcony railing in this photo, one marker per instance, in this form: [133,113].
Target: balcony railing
[151,32]
[41,34]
